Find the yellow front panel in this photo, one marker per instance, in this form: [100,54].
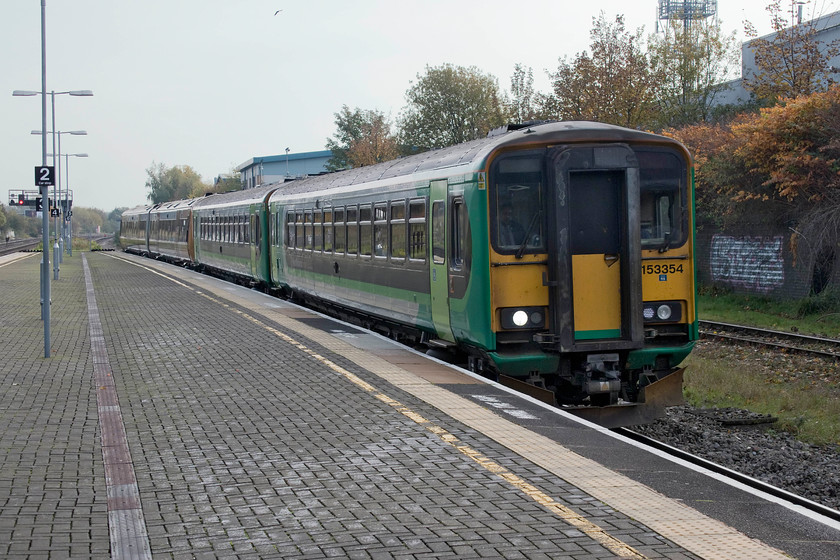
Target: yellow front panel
[669,279]
[597,297]
[519,285]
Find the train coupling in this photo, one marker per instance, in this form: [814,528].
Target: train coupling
[653,400]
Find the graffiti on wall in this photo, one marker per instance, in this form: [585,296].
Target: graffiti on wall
[755,264]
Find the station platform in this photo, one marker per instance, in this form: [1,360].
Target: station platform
[180,416]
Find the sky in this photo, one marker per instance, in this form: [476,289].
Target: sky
[213,83]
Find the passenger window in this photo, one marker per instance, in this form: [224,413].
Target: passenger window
[340,231]
[380,230]
[352,231]
[365,230]
[397,231]
[328,231]
[417,230]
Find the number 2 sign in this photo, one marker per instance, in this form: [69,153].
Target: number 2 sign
[44,176]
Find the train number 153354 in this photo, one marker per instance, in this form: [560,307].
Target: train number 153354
[662,268]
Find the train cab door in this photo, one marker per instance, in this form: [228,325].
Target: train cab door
[438,268]
[595,253]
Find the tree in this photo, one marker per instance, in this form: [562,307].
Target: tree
[795,147]
[362,137]
[227,183]
[614,84]
[792,62]
[449,105]
[87,220]
[690,65]
[173,183]
[522,102]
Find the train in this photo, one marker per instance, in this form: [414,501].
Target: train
[556,258]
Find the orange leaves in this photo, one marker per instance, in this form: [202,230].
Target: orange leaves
[794,145]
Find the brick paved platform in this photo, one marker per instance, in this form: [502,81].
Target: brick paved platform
[185,418]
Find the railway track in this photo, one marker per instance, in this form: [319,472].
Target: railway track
[814,507]
[18,245]
[789,342]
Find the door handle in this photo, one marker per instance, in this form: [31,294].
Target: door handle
[610,260]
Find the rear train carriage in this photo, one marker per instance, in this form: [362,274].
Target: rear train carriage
[230,233]
[559,254]
[171,232]
[134,229]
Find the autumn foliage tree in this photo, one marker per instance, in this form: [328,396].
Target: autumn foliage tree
[362,137]
[610,83]
[792,61]
[795,147]
[173,183]
[450,104]
[779,166]
[691,65]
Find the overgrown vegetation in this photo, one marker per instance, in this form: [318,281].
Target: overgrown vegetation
[803,392]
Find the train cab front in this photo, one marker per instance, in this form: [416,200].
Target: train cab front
[593,287]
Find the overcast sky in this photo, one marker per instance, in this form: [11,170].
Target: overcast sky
[212,83]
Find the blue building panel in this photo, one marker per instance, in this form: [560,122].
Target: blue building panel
[263,170]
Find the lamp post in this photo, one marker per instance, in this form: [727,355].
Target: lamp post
[58,242]
[52,94]
[67,224]
[45,263]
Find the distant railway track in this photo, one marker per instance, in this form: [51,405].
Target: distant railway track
[18,245]
[751,482]
[789,342]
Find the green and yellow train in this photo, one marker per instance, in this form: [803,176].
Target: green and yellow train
[556,257]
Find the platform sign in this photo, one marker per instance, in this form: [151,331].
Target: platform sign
[44,176]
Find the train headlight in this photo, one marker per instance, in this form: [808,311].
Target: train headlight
[520,318]
[523,318]
[662,311]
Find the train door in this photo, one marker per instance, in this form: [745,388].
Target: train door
[438,268]
[595,252]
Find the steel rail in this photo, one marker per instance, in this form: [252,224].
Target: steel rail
[749,481]
[709,329]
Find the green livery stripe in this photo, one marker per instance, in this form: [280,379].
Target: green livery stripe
[597,335]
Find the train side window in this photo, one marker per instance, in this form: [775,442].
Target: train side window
[300,237]
[438,232]
[397,231]
[340,240]
[380,230]
[365,230]
[307,228]
[290,229]
[417,230]
[352,231]
[328,231]
[318,231]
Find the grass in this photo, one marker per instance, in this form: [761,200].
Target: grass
[802,392]
[817,315]
[79,244]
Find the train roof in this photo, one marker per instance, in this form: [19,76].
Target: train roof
[137,210]
[472,155]
[246,196]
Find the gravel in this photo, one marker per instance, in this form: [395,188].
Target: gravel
[777,458]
